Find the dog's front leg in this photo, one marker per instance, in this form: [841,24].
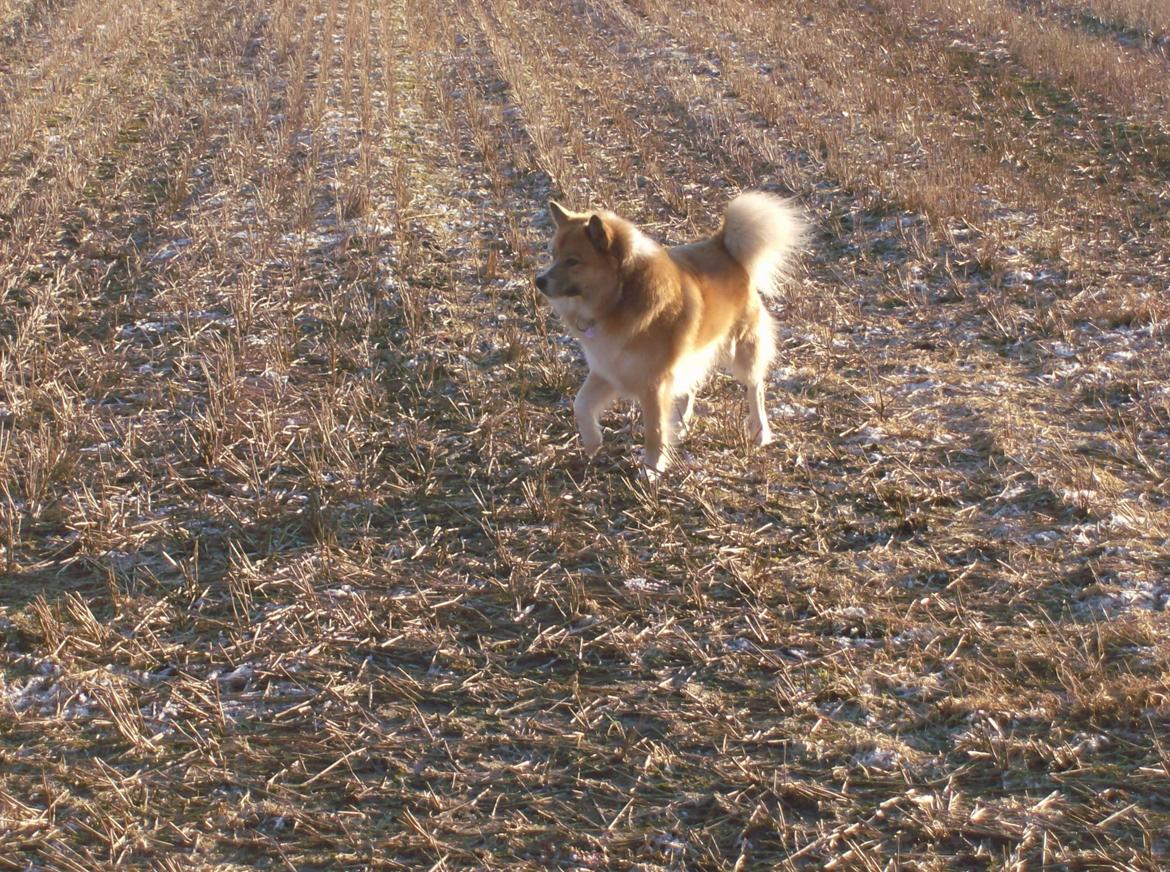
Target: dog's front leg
[594,396]
[657,406]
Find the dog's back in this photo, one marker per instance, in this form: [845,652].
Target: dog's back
[723,285]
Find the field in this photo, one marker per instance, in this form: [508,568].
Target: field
[301,567]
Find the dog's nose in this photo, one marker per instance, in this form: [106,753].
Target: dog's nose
[541,282]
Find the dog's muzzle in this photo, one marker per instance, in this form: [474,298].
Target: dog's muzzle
[542,282]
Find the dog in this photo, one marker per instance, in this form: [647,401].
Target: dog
[655,321]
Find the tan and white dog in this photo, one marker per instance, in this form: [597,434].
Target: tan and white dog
[654,321]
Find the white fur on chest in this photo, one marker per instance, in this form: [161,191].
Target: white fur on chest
[609,358]
[626,370]
[606,355]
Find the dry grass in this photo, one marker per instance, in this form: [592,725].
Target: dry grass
[1143,22]
[1132,78]
[301,568]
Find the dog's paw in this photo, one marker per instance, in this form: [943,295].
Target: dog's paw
[759,433]
[653,467]
[649,474]
[590,443]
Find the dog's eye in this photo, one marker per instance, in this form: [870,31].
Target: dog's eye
[571,261]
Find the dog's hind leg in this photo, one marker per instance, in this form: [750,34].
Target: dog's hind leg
[684,408]
[753,356]
[594,396]
[659,426]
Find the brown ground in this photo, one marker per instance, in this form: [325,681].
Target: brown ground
[302,569]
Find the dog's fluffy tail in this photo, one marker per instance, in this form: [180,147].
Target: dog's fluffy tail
[762,231]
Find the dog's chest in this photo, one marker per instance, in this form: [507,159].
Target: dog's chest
[632,372]
[611,360]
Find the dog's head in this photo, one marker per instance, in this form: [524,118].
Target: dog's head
[588,251]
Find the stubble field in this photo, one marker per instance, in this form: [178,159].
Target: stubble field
[300,567]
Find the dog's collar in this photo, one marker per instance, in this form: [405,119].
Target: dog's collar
[587,328]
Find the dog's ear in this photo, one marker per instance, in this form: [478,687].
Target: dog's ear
[599,233]
[560,214]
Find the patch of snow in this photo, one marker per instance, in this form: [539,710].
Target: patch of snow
[1146,596]
[849,612]
[878,758]
[852,642]
[1089,744]
[668,842]
[236,679]
[646,584]
[170,251]
[868,435]
[916,634]
[1127,518]
[795,410]
[917,387]
[45,696]
[1043,537]
[148,328]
